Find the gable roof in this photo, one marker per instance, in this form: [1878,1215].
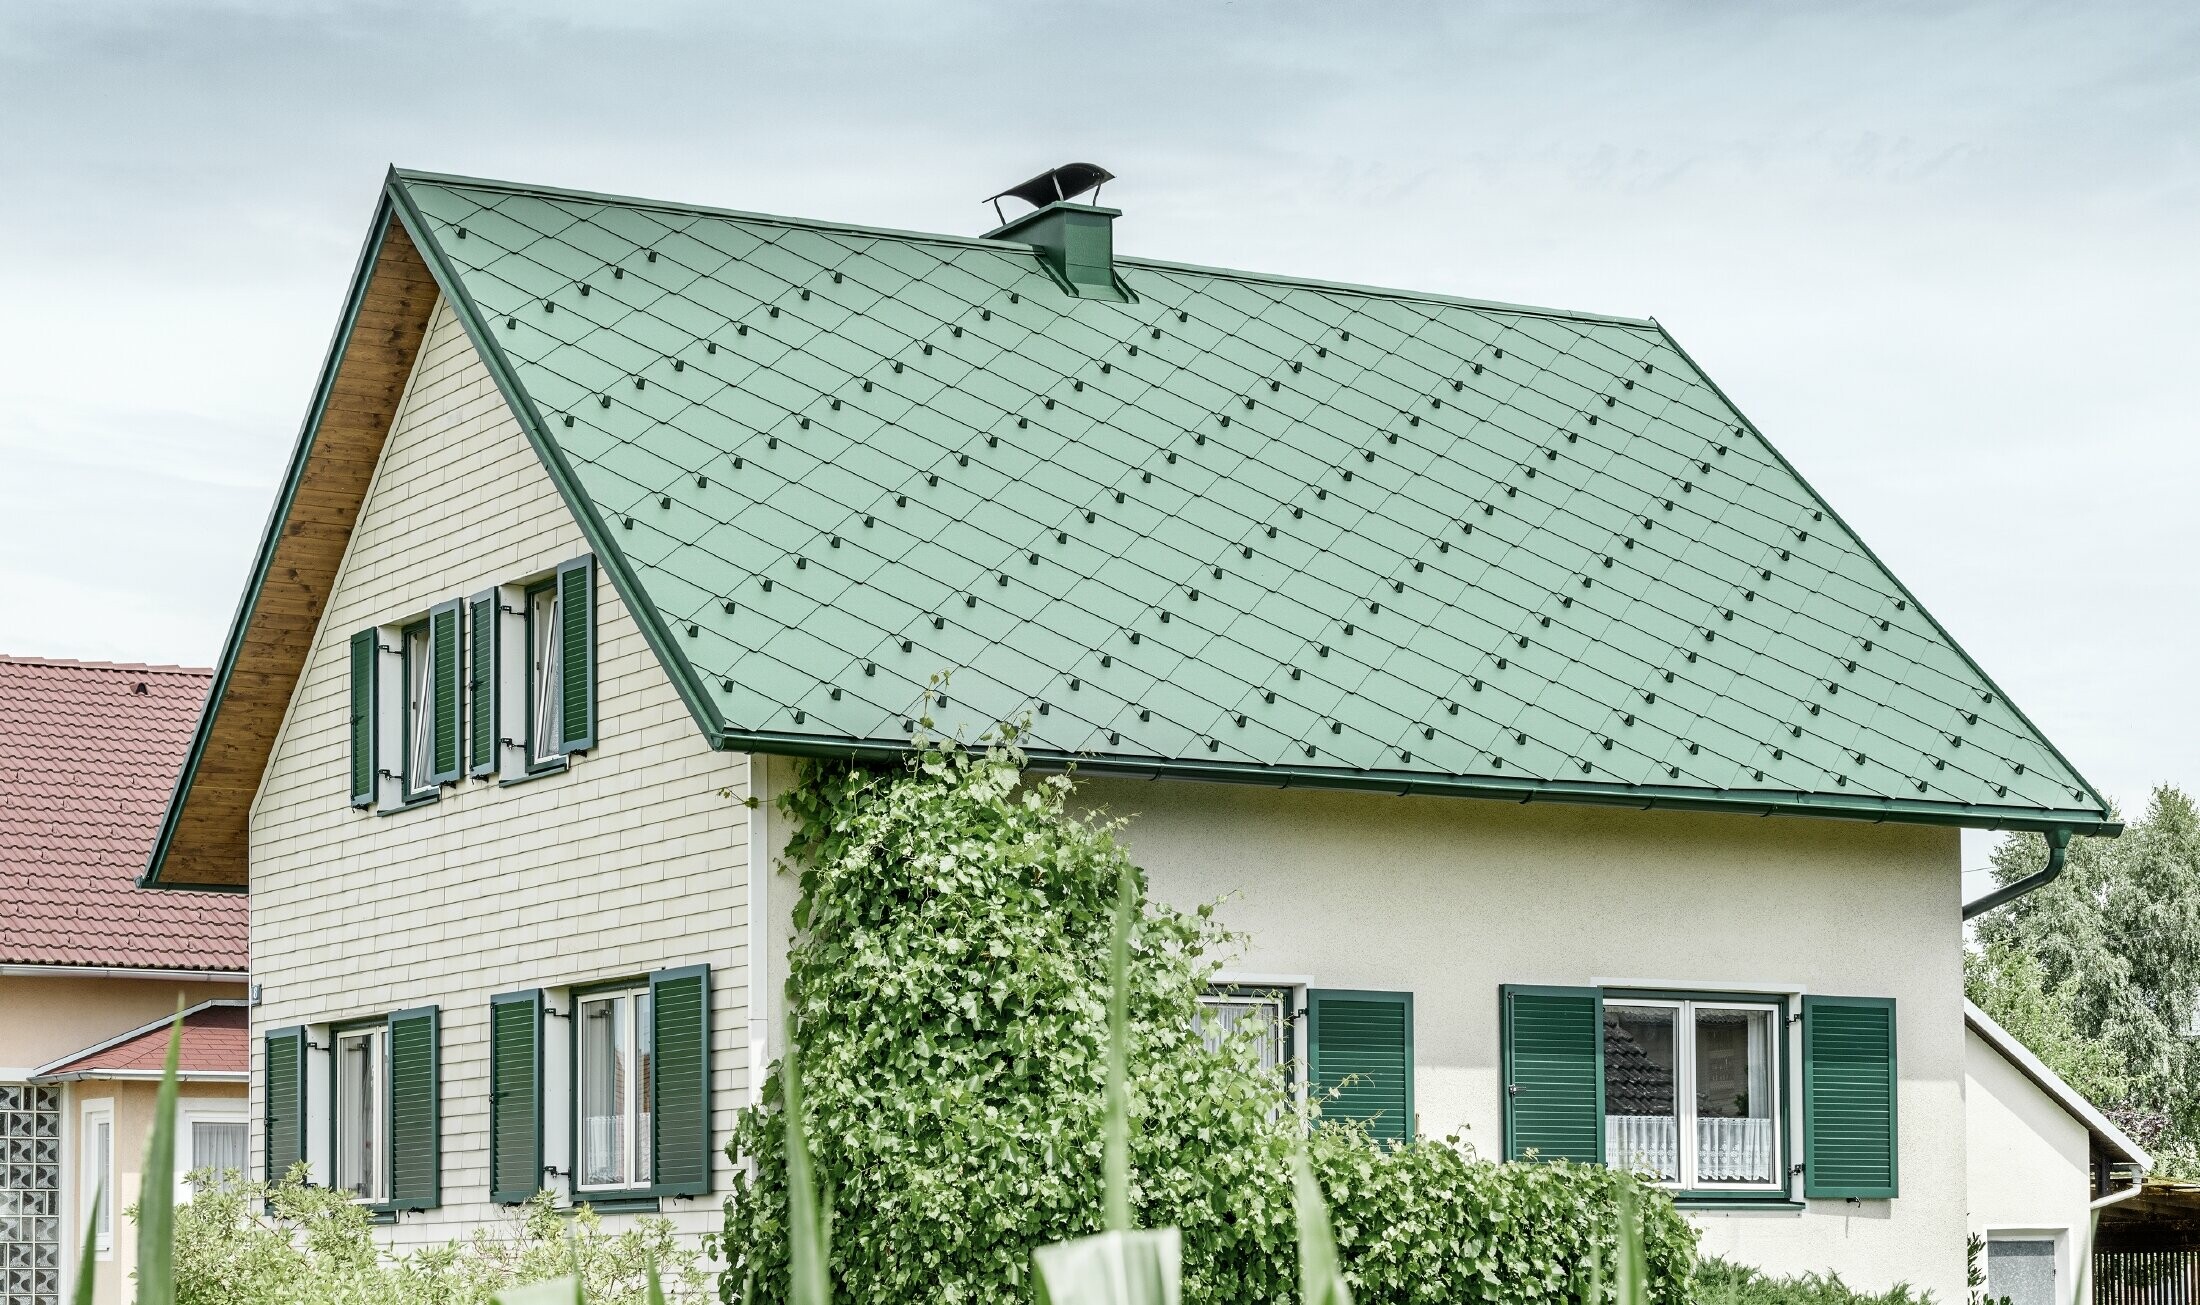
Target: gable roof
[214,1045]
[88,752]
[1243,527]
[2103,1130]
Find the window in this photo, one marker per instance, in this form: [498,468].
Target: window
[98,1186]
[613,1069]
[358,1102]
[1261,1017]
[419,712]
[2021,1270]
[214,1149]
[545,675]
[1691,1094]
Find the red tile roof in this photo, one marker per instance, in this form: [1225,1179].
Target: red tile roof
[88,756]
[214,1042]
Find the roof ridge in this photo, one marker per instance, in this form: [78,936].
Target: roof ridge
[982,242]
[75,664]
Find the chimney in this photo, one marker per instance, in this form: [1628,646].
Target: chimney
[1075,242]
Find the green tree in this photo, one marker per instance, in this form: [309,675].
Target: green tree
[2099,972]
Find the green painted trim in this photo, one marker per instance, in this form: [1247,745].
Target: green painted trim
[1811,1188]
[451,611]
[533,999]
[1509,1140]
[2102,816]
[613,562]
[1403,783]
[296,1034]
[622,1205]
[1717,1201]
[1314,999]
[679,974]
[264,559]
[400,176]
[584,568]
[484,694]
[544,771]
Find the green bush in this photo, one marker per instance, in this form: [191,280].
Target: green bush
[1722,1282]
[949,988]
[292,1244]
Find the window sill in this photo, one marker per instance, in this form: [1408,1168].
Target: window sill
[557,767]
[633,1202]
[1709,1201]
[411,804]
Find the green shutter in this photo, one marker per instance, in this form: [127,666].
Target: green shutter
[1849,1083]
[444,710]
[515,1095]
[415,1111]
[577,654]
[481,684]
[1366,1038]
[679,1110]
[363,645]
[284,1086]
[1553,1058]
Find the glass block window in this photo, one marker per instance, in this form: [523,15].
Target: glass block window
[30,1195]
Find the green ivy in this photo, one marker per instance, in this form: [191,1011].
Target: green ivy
[949,987]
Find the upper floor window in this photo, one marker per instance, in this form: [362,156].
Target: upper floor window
[420,740]
[545,675]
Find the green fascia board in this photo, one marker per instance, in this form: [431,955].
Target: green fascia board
[263,559]
[776,655]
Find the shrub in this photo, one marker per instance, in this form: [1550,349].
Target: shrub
[293,1244]
[948,988]
[1723,1282]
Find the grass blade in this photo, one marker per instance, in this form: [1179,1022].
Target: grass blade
[87,1264]
[1321,1282]
[655,1293]
[1631,1285]
[1116,1156]
[1118,1267]
[807,1226]
[156,1268]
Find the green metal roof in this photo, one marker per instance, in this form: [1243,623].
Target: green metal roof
[1246,527]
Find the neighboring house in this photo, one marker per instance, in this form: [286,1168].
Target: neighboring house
[610,510]
[93,968]
[2042,1160]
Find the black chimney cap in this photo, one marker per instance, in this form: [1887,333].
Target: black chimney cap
[1056,184]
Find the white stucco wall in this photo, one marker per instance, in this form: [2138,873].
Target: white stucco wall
[2027,1159]
[1451,898]
[632,860]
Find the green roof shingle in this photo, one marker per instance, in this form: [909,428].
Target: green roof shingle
[1244,526]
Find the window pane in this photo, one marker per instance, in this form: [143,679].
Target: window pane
[645,1059]
[604,1084]
[419,706]
[99,1178]
[1735,1138]
[358,1116]
[1641,1090]
[218,1147]
[2021,1270]
[545,676]
[1223,1015]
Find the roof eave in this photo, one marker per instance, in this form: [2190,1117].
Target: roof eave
[2092,823]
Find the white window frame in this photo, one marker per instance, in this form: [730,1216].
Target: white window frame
[1684,1089]
[2060,1237]
[637,1138]
[417,708]
[376,1128]
[96,1186]
[542,611]
[186,1119]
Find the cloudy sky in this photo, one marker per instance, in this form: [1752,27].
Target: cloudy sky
[1945,255]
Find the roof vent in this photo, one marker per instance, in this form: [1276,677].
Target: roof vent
[1075,242]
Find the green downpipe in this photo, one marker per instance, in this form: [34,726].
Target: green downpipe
[2058,852]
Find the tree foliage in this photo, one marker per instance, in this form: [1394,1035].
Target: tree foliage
[2099,971]
[948,988]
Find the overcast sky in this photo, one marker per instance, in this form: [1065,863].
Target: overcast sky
[1947,256]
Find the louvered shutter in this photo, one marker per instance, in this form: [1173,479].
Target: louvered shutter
[443,713]
[577,654]
[679,1005]
[1850,1136]
[481,684]
[515,1095]
[363,645]
[283,1082]
[1553,1058]
[1366,1038]
[415,1111]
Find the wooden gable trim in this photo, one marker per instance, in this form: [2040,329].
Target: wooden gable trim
[204,839]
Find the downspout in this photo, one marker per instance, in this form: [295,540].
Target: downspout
[2058,852]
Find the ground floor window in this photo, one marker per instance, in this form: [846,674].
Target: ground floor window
[359,1104]
[2021,1270]
[1258,1018]
[613,1066]
[213,1153]
[1691,1091]
[96,1178]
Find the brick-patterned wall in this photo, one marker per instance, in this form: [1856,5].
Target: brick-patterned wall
[630,861]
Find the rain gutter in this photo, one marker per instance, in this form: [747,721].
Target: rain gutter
[2058,852]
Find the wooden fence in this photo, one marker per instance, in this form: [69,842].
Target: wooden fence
[2146,1278]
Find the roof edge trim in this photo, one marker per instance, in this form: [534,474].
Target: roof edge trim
[614,562]
[263,559]
[1402,784]
[151,1026]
